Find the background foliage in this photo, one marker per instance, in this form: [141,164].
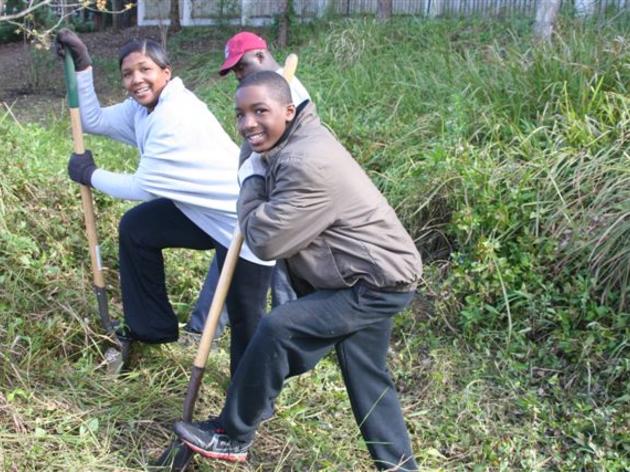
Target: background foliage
[507,162]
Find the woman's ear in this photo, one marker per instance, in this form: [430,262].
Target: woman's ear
[290,112]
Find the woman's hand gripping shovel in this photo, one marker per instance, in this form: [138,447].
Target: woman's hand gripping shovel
[115,357]
[178,456]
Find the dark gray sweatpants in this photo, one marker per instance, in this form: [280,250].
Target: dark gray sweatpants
[295,336]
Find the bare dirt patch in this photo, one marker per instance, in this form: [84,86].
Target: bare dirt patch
[31,79]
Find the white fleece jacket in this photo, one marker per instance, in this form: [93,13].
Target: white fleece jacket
[185,156]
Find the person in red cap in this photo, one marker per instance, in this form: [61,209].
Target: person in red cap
[246,53]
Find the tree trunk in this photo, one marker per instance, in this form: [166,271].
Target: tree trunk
[283,23]
[173,16]
[584,8]
[115,15]
[546,15]
[99,21]
[435,8]
[384,10]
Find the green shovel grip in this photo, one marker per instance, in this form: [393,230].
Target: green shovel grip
[71,81]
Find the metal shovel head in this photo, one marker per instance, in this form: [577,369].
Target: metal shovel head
[114,359]
[177,457]
[117,358]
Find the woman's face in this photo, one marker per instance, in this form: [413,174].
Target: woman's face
[143,79]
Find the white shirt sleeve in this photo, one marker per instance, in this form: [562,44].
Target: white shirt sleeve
[119,185]
[116,121]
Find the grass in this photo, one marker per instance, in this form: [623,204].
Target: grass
[508,163]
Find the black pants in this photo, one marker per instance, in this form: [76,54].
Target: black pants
[281,292]
[294,337]
[155,225]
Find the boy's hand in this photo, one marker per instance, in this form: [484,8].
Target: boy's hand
[254,165]
[68,41]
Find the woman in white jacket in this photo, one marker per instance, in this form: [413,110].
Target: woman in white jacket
[186,179]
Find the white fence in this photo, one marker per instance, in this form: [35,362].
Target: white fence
[261,12]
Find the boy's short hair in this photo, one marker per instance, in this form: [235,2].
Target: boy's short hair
[275,84]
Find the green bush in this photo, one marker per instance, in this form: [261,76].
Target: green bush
[506,161]
[9,32]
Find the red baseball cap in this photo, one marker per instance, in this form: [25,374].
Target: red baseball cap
[238,45]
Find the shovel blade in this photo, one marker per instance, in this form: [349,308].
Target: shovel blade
[177,456]
[115,361]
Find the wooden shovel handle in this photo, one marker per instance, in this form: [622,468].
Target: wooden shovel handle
[86,195]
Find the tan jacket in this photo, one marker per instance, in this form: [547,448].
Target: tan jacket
[320,211]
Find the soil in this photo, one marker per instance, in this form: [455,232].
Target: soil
[31,79]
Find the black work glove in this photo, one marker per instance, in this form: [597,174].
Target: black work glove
[81,167]
[67,40]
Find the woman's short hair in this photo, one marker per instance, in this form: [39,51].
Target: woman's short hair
[148,47]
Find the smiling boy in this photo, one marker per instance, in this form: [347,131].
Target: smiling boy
[304,199]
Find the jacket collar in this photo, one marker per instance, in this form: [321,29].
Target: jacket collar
[303,112]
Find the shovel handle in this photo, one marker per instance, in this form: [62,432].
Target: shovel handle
[209,328]
[86,194]
[219,299]
[290,66]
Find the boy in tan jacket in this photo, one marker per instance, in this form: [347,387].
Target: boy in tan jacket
[304,199]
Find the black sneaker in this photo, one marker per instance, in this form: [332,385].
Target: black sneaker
[209,439]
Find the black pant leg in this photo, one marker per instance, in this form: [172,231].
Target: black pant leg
[246,303]
[287,343]
[143,232]
[294,337]
[362,358]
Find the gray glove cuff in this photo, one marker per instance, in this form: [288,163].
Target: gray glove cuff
[254,165]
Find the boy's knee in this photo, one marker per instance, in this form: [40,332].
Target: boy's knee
[275,324]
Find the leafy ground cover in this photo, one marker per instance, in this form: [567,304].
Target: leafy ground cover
[507,161]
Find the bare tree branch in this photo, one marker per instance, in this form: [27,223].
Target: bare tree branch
[32,6]
[41,36]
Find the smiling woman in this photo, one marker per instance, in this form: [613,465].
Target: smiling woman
[186,179]
[145,71]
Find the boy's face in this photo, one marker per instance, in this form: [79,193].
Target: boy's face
[261,119]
